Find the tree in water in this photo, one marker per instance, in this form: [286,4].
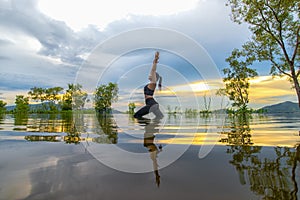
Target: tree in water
[105,95]
[237,78]
[74,98]
[22,104]
[275,27]
[2,106]
[49,95]
[131,107]
[52,96]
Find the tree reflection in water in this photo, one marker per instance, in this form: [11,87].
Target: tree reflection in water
[2,116]
[71,127]
[271,175]
[54,123]
[239,133]
[21,119]
[74,127]
[108,132]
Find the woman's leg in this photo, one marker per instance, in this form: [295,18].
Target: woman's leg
[155,109]
[141,112]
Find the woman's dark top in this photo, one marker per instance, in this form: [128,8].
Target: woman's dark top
[148,91]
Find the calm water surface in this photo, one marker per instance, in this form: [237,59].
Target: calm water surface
[57,157]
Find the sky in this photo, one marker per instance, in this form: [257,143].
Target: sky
[48,43]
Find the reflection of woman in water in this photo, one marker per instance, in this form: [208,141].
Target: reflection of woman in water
[149,136]
[151,104]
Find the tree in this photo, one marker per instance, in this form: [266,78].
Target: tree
[22,104]
[275,27]
[2,106]
[74,98]
[131,107]
[52,96]
[37,94]
[237,79]
[105,95]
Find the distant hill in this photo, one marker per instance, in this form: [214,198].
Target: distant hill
[10,108]
[31,106]
[284,107]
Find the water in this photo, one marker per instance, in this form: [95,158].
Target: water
[84,156]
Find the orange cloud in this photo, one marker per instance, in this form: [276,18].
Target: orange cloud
[269,90]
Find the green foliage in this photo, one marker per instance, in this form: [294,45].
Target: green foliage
[2,106]
[131,107]
[237,79]
[74,97]
[22,104]
[275,27]
[104,96]
[50,95]
[37,94]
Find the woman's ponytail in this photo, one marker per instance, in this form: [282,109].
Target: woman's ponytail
[159,79]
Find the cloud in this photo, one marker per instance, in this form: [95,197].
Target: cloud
[37,50]
[208,23]
[101,13]
[265,90]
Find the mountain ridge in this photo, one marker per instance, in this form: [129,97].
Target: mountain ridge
[283,107]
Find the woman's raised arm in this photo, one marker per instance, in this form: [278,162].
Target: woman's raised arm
[152,76]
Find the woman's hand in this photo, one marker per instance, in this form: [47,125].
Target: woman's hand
[156,57]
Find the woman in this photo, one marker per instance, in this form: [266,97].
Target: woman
[151,104]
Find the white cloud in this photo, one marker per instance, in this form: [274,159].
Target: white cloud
[78,14]
[45,50]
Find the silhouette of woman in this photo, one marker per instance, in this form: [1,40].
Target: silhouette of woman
[151,104]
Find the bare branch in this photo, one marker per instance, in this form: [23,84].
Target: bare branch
[297,45]
[275,63]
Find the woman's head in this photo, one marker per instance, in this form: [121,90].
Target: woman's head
[156,79]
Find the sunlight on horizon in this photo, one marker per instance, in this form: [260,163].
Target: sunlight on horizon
[264,90]
[268,90]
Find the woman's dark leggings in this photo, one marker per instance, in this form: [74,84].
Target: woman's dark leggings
[151,106]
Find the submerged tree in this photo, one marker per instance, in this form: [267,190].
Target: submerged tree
[131,107]
[37,94]
[52,96]
[22,104]
[49,95]
[275,27]
[2,106]
[74,98]
[237,79]
[105,95]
